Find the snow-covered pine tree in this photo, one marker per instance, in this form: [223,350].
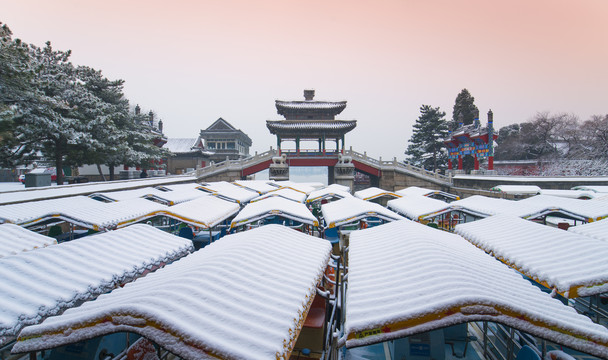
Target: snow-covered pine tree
[465,109]
[425,147]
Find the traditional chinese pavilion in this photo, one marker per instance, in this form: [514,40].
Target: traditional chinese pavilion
[473,140]
[310,120]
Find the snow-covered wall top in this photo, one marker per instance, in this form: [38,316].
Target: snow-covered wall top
[352,209]
[260,186]
[274,206]
[373,192]
[229,191]
[405,278]
[416,206]
[286,193]
[203,212]
[229,300]
[597,230]
[327,193]
[87,188]
[42,283]
[572,264]
[14,240]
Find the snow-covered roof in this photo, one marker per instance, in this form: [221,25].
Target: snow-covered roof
[405,278]
[287,193]
[595,188]
[87,188]
[124,194]
[306,188]
[417,207]
[33,211]
[573,194]
[274,206]
[327,193]
[14,240]
[338,187]
[203,212]
[339,125]
[260,186]
[42,283]
[517,189]
[589,210]
[181,145]
[351,209]
[176,187]
[229,191]
[373,192]
[227,300]
[601,197]
[176,196]
[572,264]
[415,190]
[597,230]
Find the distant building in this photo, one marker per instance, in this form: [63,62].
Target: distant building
[186,154]
[225,141]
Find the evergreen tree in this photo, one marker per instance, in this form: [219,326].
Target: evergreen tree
[465,110]
[425,147]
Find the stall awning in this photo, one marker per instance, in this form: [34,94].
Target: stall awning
[418,207]
[176,196]
[204,212]
[245,296]
[285,193]
[327,193]
[229,191]
[14,240]
[405,278]
[597,230]
[414,190]
[352,209]
[373,192]
[45,282]
[274,206]
[572,264]
[259,186]
[124,194]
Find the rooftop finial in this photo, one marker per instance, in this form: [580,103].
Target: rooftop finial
[309,94]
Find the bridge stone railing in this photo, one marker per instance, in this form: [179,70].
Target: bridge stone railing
[240,164]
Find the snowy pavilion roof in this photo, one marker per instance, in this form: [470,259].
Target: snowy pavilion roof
[572,264]
[50,192]
[373,192]
[125,194]
[229,191]
[176,196]
[182,145]
[287,193]
[203,212]
[14,240]
[417,207]
[352,209]
[225,301]
[310,128]
[259,186]
[414,190]
[274,206]
[42,283]
[405,278]
[283,105]
[327,193]
[597,230]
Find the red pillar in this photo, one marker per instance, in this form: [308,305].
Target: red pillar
[476,163]
[449,164]
[491,163]
[459,162]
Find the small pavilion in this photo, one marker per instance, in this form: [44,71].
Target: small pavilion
[310,120]
[473,140]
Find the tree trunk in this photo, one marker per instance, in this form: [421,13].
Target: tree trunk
[111,172]
[59,162]
[103,177]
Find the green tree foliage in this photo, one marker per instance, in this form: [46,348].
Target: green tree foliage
[465,110]
[426,144]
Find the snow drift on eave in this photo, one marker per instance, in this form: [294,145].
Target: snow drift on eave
[230,300]
[45,282]
[573,264]
[444,280]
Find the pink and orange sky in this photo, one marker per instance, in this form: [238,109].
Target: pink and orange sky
[195,61]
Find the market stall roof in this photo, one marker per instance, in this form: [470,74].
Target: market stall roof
[229,191]
[572,194]
[259,186]
[228,300]
[14,240]
[517,189]
[594,188]
[110,196]
[373,192]
[597,230]
[175,187]
[49,192]
[274,206]
[572,264]
[286,193]
[306,188]
[418,207]
[45,282]
[32,212]
[351,209]
[544,204]
[204,212]
[176,196]
[327,193]
[405,278]
[484,205]
[415,190]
